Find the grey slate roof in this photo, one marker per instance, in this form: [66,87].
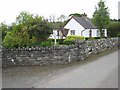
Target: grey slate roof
[85,22]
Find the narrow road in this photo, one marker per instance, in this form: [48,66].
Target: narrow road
[100,73]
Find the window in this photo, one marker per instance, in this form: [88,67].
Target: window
[72,32]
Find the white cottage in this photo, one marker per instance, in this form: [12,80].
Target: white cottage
[81,26]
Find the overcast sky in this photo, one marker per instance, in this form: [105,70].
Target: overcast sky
[119,10]
[9,9]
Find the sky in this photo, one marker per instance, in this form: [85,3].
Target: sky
[119,10]
[9,9]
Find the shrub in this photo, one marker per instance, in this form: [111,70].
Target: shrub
[113,29]
[68,42]
[75,37]
[46,43]
[119,35]
[60,41]
[15,40]
[10,40]
[70,39]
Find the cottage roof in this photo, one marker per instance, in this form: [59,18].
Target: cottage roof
[85,22]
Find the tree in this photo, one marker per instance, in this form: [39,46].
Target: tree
[52,18]
[28,29]
[113,29]
[3,30]
[76,14]
[62,18]
[37,26]
[24,18]
[101,17]
[18,37]
[40,31]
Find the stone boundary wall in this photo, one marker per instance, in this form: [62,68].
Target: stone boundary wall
[56,54]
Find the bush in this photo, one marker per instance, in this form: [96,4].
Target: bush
[14,40]
[119,35]
[68,42]
[10,41]
[60,41]
[70,39]
[113,29]
[75,37]
[46,43]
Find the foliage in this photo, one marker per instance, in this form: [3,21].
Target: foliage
[46,43]
[101,17]
[28,29]
[113,29]
[70,39]
[41,31]
[119,35]
[3,30]
[60,41]
[75,37]
[56,25]
[62,18]
[18,37]
[25,18]
[76,14]
[68,42]
[37,26]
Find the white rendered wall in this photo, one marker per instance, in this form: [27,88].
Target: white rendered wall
[105,32]
[74,25]
[94,33]
[85,33]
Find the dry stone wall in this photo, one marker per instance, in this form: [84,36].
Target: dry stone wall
[56,54]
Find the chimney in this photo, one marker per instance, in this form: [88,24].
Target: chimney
[84,15]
